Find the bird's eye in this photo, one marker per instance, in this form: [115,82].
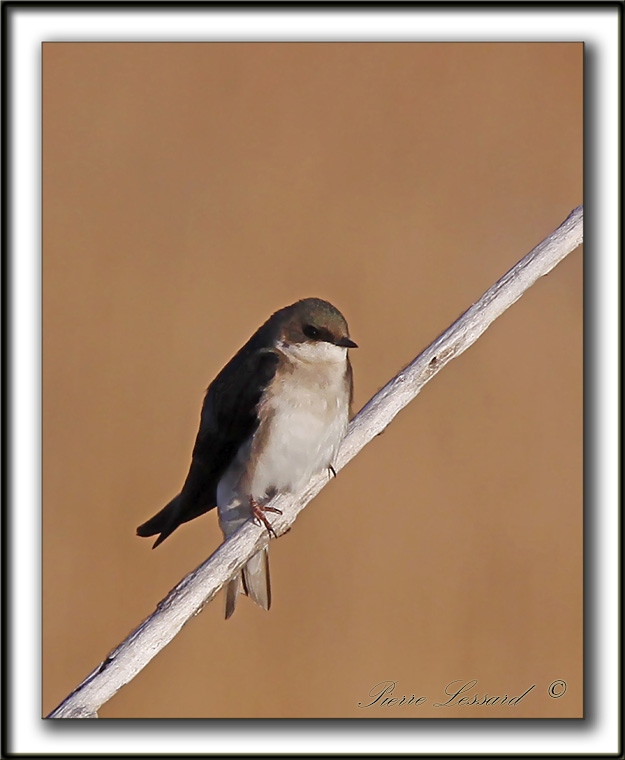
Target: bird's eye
[311,332]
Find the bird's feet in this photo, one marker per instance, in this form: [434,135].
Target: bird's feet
[258,515]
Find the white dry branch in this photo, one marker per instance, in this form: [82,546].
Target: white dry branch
[200,587]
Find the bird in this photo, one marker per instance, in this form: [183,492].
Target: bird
[272,418]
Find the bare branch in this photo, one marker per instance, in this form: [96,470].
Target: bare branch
[200,586]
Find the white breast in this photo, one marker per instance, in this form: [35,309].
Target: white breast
[304,415]
[307,412]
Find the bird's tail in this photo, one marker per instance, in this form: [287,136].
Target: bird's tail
[164,522]
[253,580]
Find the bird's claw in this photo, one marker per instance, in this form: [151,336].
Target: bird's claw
[259,518]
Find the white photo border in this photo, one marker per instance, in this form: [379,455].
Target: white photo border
[25,28]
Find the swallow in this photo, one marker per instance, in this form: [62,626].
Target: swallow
[272,419]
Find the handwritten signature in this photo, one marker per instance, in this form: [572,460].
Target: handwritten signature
[458,693]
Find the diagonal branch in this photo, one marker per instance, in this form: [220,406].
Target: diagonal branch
[200,587]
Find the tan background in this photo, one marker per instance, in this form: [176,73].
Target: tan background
[190,190]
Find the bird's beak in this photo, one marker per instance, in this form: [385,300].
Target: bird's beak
[346,343]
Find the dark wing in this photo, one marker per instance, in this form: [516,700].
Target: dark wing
[228,419]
